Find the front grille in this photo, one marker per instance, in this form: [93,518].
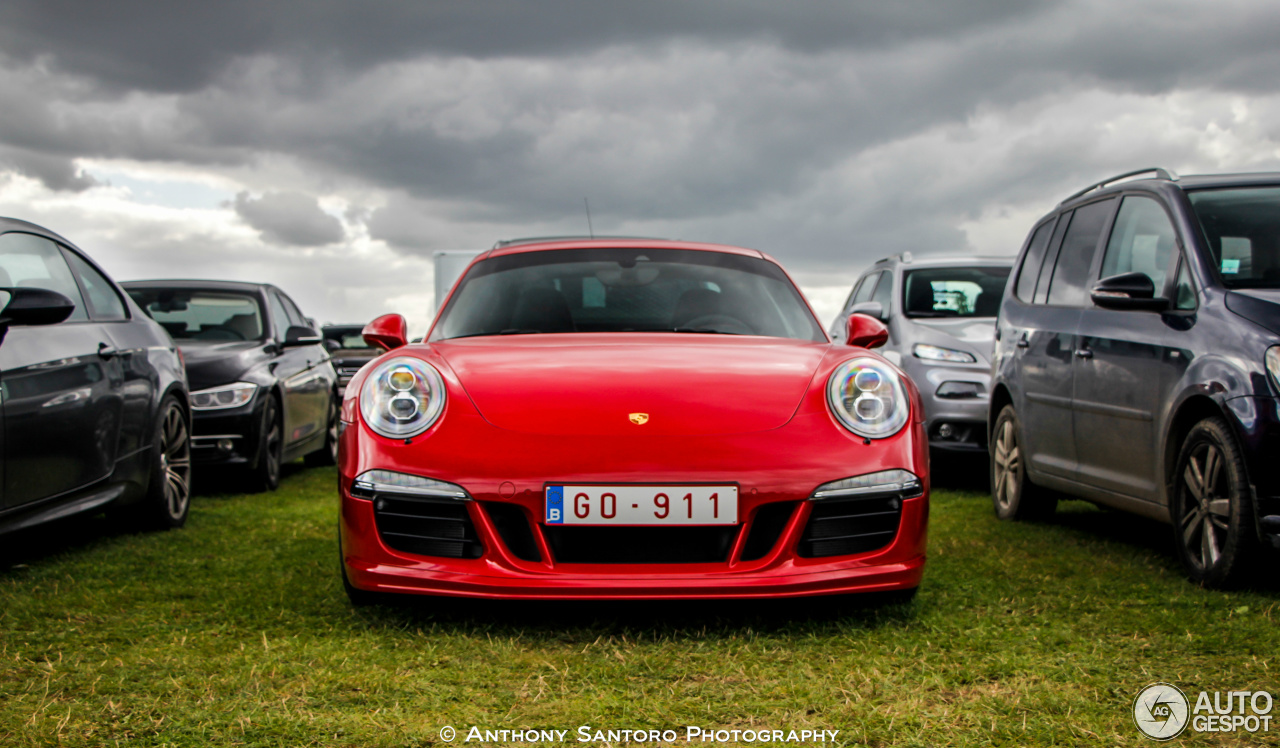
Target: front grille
[640,545]
[426,527]
[766,526]
[513,527]
[842,527]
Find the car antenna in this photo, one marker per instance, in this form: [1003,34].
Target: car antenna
[587,205]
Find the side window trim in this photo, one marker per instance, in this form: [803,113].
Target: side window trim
[1094,262]
[1024,256]
[1045,276]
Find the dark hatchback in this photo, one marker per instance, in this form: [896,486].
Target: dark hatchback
[93,399]
[262,388]
[1137,364]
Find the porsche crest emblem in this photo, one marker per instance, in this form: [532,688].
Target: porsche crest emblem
[639,419]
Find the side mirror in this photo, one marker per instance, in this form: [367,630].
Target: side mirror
[869,308]
[865,331]
[34,306]
[298,335]
[388,332]
[1128,291]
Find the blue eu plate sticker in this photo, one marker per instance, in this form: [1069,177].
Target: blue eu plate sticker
[1230,267]
[555,505]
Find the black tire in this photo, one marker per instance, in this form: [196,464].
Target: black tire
[265,474]
[1211,508]
[168,498]
[1013,494]
[328,454]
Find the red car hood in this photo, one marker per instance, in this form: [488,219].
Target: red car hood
[597,384]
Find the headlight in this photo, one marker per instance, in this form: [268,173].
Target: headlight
[938,353]
[867,397]
[402,398]
[226,396]
[1273,364]
[898,484]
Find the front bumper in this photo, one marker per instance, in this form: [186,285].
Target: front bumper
[505,473]
[226,437]
[953,423]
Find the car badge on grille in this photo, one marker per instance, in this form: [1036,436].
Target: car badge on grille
[639,419]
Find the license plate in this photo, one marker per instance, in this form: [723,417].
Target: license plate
[641,505]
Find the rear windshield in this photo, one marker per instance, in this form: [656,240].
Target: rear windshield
[1242,228]
[189,314]
[626,290]
[954,292]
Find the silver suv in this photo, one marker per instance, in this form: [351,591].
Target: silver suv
[941,318]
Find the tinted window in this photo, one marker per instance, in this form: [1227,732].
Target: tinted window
[1142,241]
[1184,294]
[866,288]
[626,290]
[193,314]
[296,317]
[279,315]
[346,337]
[30,261]
[884,291]
[1241,226]
[1031,261]
[954,292]
[1076,256]
[1046,268]
[98,292]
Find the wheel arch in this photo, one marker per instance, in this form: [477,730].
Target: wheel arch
[1000,397]
[1186,415]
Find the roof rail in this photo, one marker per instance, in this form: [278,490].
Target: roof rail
[1160,174]
[539,239]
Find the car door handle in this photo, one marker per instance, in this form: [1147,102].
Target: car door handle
[1084,353]
[105,351]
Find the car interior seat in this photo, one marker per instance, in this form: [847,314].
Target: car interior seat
[987,304]
[542,309]
[245,325]
[919,296]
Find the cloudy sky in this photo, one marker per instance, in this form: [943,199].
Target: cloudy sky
[331,147]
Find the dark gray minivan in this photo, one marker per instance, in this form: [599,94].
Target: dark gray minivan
[1137,364]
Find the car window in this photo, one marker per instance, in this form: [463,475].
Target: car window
[954,291]
[626,290]
[279,316]
[1071,273]
[1184,293]
[1142,241]
[30,261]
[884,291]
[1050,258]
[1030,269]
[1240,225]
[866,288]
[198,314]
[101,296]
[296,317]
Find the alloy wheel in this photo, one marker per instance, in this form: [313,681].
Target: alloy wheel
[1006,460]
[175,463]
[1204,526]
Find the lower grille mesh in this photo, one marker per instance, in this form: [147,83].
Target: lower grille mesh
[426,527]
[842,527]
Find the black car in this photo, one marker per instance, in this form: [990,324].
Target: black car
[348,350]
[1137,363]
[263,390]
[92,392]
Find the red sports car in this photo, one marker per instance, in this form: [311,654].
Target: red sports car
[630,419]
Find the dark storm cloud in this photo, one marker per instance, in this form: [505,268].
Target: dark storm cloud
[183,46]
[775,125]
[289,218]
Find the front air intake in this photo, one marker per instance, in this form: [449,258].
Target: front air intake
[426,527]
[843,527]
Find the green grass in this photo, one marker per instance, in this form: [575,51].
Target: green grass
[235,631]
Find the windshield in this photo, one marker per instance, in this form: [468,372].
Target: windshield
[954,292]
[626,290]
[1242,227]
[347,338]
[202,315]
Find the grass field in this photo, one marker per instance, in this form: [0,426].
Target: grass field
[235,631]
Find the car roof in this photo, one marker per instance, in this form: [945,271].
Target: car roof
[943,261]
[618,243]
[17,224]
[209,285]
[1163,179]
